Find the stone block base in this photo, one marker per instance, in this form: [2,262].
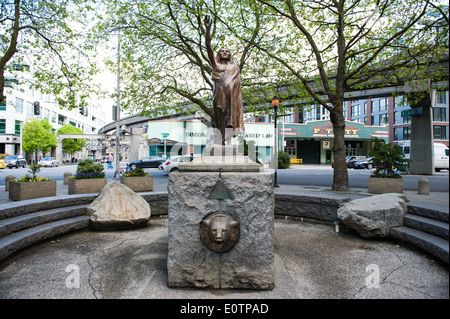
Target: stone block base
[385,185]
[30,190]
[138,183]
[86,186]
[248,198]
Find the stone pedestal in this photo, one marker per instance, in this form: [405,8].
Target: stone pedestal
[223,194]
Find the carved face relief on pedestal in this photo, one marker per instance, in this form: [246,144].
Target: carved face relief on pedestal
[219,232]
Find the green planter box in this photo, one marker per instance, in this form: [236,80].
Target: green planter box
[29,190]
[138,183]
[379,185]
[84,186]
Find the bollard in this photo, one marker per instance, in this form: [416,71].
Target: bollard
[7,179]
[336,227]
[66,177]
[424,186]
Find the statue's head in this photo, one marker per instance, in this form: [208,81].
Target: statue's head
[219,232]
[224,56]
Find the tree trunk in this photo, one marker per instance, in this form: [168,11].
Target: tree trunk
[12,48]
[340,175]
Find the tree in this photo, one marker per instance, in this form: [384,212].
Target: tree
[164,63]
[71,145]
[37,136]
[53,36]
[311,51]
[326,48]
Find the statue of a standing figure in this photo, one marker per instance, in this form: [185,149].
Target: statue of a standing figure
[227,98]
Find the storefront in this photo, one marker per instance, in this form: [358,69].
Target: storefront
[310,142]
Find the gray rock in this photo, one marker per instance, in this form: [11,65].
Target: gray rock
[374,216]
[118,207]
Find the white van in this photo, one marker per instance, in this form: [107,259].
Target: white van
[441,158]
[441,154]
[406,147]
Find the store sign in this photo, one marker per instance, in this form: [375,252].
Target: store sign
[380,134]
[288,131]
[327,131]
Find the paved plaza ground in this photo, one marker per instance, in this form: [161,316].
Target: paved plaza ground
[312,261]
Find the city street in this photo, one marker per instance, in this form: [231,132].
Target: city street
[304,175]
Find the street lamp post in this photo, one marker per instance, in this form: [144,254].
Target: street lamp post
[117,150]
[165,135]
[275,103]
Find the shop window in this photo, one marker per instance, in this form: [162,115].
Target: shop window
[290,148]
[353,148]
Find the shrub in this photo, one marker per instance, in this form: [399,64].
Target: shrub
[388,159]
[135,172]
[88,169]
[284,160]
[34,169]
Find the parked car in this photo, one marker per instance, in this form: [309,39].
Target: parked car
[172,163]
[367,164]
[350,160]
[15,161]
[49,161]
[2,163]
[147,162]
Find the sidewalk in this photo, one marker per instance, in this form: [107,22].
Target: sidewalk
[435,198]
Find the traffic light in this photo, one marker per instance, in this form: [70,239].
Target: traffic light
[81,110]
[37,108]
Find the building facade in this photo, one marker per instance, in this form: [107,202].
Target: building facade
[18,106]
[388,111]
[309,142]
[380,117]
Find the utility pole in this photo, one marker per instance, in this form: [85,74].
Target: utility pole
[117,152]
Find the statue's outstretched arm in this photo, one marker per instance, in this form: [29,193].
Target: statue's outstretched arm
[208,23]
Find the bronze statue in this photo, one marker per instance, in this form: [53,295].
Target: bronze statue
[219,232]
[227,92]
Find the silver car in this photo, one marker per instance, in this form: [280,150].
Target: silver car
[172,163]
[48,161]
[15,161]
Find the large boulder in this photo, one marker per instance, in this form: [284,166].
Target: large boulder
[374,216]
[118,207]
